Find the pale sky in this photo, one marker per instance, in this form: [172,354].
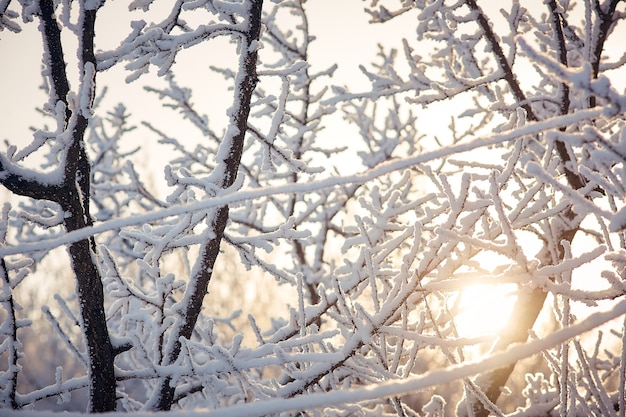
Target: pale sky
[341,28]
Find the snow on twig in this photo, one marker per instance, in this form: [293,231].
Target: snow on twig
[229,197]
[429,379]
[387,388]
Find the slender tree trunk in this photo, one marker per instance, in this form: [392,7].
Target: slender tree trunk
[530,302]
[197,288]
[89,282]
[74,200]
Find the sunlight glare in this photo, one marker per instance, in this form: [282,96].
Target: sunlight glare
[484,309]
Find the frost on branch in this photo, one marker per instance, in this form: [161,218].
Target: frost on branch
[311,245]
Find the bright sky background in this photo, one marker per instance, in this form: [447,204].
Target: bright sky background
[343,34]
[343,37]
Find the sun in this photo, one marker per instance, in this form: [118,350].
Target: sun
[484,309]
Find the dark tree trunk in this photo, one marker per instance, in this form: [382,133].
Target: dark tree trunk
[528,304]
[198,283]
[74,198]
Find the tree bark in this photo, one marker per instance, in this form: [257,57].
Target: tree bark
[529,303]
[197,288]
[74,200]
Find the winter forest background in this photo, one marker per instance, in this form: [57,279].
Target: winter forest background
[320,208]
